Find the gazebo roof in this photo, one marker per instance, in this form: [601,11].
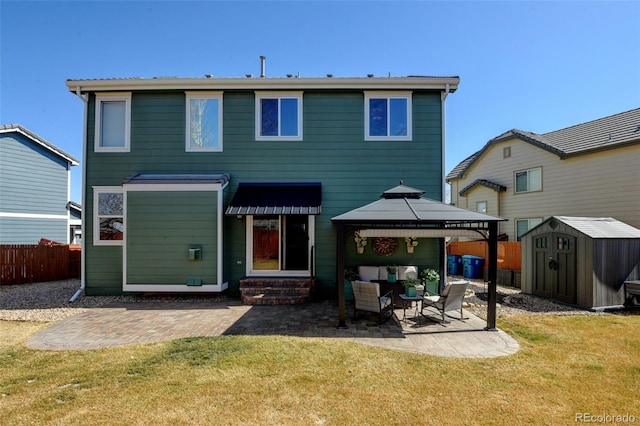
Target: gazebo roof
[402,211]
[404,205]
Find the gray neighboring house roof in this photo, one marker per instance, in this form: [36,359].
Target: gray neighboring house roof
[610,132]
[483,182]
[597,227]
[17,128]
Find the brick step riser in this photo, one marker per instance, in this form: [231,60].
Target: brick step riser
[272,300]
[256,283]
[276,291]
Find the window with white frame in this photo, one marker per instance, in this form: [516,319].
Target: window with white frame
[204,121]
[528,180]
[108,208]
[481,207]
[279,116]
[523,225]
[388,116]
[113,122]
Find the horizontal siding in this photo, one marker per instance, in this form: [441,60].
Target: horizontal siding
[161,226]
[32,179]
[602,184]
[333,151]
[14,230]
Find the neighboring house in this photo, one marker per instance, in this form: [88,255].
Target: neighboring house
[35,178]
[194,184]
[75,223]
[589,169]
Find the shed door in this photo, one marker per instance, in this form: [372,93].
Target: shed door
[555,267]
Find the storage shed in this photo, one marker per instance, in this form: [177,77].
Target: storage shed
[581,260]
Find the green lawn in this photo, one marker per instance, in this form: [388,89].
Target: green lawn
[567,366]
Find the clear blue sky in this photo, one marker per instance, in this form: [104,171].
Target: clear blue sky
[531,65]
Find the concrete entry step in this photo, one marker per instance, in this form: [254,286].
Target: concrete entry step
[276,291]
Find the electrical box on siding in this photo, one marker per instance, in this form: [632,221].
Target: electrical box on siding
[195,253]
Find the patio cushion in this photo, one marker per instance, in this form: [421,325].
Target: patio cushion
[405,272]
[382,273]
[368,273]
[385,301]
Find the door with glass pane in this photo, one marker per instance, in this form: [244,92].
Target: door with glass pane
[280,244]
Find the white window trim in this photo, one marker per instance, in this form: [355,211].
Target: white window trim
[408,95]
[515,183]
[258,114]
[96,218]
[115,96]
[280,273]
[202,95]
[486,207]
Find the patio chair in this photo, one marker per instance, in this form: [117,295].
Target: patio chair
[449,300]
[367,298]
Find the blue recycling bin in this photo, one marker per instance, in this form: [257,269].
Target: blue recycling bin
[472,266]
[453,264]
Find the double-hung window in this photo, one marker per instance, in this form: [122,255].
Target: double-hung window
[388,116]
[108,207]
[204,121]
[113,122]
[279,116]
[529,180]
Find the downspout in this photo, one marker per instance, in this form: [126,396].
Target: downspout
[443,98]
[83,219]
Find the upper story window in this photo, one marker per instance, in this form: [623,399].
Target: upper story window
[113,122]
[387,116]
[204,121]
[481,207]
[108,207]
[279,116]
[529,180]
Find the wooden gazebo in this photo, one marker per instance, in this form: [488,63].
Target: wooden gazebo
[402,211]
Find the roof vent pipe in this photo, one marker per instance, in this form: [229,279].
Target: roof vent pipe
[262,66]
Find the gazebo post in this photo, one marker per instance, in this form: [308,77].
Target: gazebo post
[340,253]
[493,274]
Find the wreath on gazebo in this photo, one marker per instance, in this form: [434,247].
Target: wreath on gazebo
[385,246]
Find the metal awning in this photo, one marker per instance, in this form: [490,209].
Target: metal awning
[176,179]
[269,198]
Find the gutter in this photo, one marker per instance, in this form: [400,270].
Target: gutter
[449,84]
[443,98]
[85,100]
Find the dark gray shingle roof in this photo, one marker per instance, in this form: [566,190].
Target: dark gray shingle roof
[483,182]
[604,133]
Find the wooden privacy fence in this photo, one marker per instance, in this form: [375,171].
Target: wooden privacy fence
[21,264]
[508,252]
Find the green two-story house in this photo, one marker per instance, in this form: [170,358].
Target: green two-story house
[199,184]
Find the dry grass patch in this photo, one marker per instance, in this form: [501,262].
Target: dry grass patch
[567,365]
